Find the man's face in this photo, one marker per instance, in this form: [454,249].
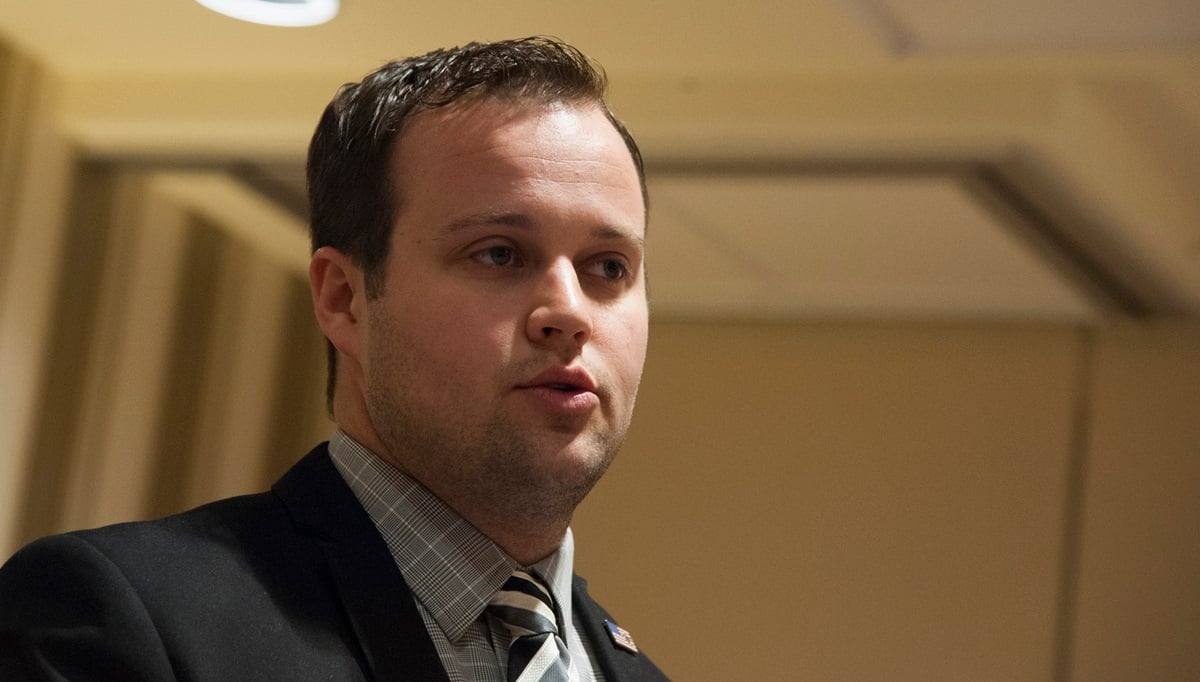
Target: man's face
[504,356]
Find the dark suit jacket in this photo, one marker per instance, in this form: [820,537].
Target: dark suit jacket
[291,584]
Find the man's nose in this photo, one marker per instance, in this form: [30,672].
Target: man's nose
[561,315]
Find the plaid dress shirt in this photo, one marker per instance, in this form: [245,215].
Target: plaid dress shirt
[452,568]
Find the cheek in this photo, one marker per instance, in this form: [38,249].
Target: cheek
[464,336]
[629,340]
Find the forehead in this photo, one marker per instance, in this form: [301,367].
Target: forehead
[492,144]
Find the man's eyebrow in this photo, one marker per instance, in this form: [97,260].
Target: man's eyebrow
[483,219]
[608,233]
[524,222]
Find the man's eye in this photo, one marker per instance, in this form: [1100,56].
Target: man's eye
[500,256]
[613,269]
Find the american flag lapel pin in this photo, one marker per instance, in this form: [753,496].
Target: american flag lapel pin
[620,637]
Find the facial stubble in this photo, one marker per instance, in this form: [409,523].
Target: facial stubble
[518,474]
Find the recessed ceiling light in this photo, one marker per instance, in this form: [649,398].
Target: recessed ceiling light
[276,12]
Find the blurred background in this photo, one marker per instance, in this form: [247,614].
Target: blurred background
[922,394]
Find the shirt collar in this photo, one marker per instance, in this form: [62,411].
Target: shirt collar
[451,567]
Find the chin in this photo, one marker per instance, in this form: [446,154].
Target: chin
[585,465]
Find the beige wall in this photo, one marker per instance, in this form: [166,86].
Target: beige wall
[809,501]
[854,497]
[913,502]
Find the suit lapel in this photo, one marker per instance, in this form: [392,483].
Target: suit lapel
[616,662]
[377,602]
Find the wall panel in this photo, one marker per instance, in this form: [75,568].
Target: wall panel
[1139,580]
[36,170]
[858,502]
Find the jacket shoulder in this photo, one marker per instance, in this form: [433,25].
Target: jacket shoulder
[156,600]
[65,609]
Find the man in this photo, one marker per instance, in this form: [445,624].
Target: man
[478,218]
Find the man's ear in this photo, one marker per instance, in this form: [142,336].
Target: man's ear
[339,299]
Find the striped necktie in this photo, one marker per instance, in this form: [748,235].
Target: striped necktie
[537,653]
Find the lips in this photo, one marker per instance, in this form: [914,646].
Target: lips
[566,379]
[566,391]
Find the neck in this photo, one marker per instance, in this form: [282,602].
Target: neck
[526,542]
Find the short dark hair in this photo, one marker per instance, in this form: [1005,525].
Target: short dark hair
[352,200]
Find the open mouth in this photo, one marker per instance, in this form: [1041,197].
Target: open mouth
[564,390]
[563,379]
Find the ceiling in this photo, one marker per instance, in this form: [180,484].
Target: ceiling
[928,159]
